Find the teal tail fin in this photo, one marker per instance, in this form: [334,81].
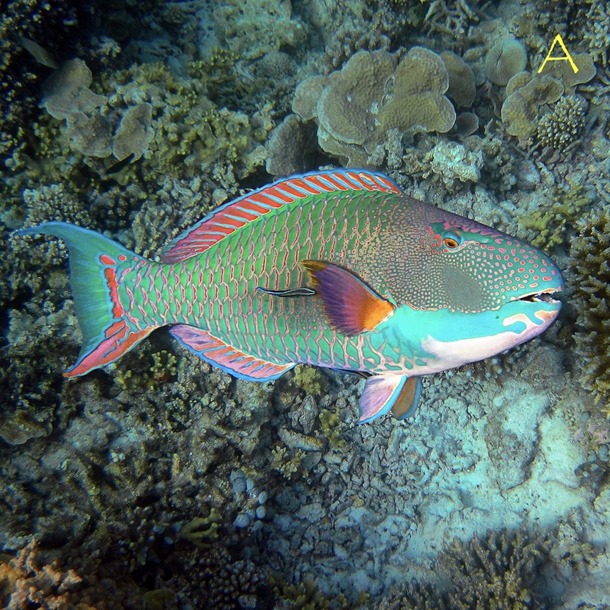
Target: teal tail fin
[107,331]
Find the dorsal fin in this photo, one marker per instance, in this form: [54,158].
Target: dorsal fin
[235,214]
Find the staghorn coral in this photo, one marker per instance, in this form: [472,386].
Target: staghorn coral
[202,530]
[450,17]
[497,571]
[357,106]
[595,17]
[500,570]
[590,252]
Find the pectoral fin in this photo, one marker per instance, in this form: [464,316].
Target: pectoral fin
[351,305]
[384,392]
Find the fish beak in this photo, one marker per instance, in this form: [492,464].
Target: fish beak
[542,296]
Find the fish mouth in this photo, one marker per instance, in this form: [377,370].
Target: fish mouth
[542,296]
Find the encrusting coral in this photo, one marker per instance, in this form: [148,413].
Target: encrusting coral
[461,79]
[90,130]
[591,252]
[505,59]
[525,94]
[358,105]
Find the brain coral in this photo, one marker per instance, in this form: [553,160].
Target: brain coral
[357,106]
[591,253]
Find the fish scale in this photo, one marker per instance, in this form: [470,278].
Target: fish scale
[337,268]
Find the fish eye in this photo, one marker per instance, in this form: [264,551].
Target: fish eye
[452,239]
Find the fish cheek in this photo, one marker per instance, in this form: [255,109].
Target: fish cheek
[463,291]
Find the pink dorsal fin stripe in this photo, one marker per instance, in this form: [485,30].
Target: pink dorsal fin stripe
[232,216]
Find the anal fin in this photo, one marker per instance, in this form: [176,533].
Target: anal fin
[226,357]
[384,392]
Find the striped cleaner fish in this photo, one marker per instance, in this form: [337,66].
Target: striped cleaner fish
[334,268]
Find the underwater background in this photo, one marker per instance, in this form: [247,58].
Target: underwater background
[161,482]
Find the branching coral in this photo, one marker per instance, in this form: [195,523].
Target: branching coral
[562,126]
[552,222]
[591,253]
[497,571]
[30,580]
[255,28]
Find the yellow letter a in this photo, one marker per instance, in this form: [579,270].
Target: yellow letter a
[568,57]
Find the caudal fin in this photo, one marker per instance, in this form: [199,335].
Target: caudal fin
[107,332]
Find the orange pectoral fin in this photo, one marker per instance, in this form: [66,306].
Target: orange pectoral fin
[351,305]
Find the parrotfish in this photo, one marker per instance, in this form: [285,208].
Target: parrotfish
[337,268]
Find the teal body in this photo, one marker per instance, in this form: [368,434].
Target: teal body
[338,269]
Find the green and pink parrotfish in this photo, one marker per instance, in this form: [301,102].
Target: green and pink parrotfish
[335,268]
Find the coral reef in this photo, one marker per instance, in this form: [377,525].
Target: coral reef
[505,59]
[461,79]
[42,21]
[563,125]
[259,27]
[499,570]
[291,148]
[552,222]
[356,107]
[590,252]
[525,94]
[30,580]
[162,482]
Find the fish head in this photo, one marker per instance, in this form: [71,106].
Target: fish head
[488,291]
